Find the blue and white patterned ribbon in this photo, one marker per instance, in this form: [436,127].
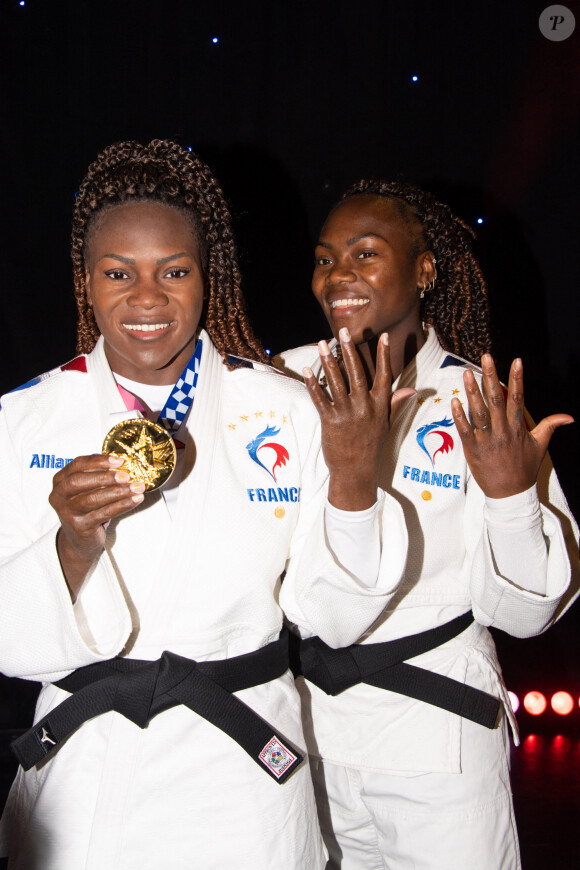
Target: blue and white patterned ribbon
[182,395]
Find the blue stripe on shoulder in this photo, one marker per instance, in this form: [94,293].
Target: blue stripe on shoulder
[452,361]
[240,362]
[25,386]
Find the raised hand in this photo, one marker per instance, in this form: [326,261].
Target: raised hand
[87,494]
[354,421]
[503,454]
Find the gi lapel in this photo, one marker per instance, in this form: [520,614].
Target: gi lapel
[188,521]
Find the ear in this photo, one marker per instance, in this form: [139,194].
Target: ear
[426,269]
[88,287]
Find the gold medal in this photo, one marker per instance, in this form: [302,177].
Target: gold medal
[147,450]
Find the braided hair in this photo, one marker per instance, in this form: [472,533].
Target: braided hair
[164,172]
[457,306]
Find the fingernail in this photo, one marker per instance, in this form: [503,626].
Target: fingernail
[122,476]
[137,486]
[115,460]
[307,373]
[323,348]
[385,338]
[137,498]
[518,363]
[344,334]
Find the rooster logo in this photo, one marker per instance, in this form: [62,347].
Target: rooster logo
[258,444]
[431,429]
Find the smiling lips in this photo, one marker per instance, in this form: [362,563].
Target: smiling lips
[348,303]
[145,327]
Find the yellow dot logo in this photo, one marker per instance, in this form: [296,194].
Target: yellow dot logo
[279,513]
[426,495]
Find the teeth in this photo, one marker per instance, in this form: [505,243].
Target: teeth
[346,303]
[145,327]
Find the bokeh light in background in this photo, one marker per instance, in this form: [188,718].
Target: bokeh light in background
[535,703]
[562,703]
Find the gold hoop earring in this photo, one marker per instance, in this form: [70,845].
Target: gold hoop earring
[427,288]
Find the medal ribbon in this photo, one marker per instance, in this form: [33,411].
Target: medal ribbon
[182,395]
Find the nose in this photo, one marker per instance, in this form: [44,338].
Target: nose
[340,273]
[147,293]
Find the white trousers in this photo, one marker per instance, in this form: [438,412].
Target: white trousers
[428,821]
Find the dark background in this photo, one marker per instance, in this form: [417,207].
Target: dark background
[294,102]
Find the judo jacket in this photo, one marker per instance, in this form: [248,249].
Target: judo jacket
[205,584]
[450,570]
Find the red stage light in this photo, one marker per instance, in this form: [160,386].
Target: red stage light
[562,703]
[535,703]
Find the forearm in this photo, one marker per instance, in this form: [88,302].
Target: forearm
[515,531]
[74,565]
[355,541]
[36,605]
[327,591]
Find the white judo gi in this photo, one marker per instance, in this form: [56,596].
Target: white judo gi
[204,584]
[407,784]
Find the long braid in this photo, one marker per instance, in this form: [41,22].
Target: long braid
[457,307]
[163,171]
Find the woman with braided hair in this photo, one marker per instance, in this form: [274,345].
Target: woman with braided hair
[408,729]
[167,731]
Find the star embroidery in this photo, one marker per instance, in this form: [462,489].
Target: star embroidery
[272,414]
[420,401]
[257,413]
[231,426]
[438,399]
[244,417]
[455,392]
[284,419]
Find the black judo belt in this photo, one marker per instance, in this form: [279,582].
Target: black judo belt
[140,690]
[384,665]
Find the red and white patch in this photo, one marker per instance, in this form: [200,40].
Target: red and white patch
[277,757]
[78,364]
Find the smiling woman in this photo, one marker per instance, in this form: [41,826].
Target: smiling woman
[410,758]
[154,616]
[368,263]
[145,285]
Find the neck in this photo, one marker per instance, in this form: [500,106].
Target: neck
[143,368]
[403,349]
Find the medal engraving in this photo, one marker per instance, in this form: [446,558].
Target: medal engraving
[147,450]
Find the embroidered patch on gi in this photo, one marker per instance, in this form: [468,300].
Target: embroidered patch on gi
[446,444]
[279,456]
[48,460]
[277,757]
[78,364]
[45,737]
[452,361]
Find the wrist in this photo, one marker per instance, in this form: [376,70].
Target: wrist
[352,493]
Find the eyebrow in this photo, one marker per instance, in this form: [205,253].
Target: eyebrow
[120,258]
[354,239]
[172,257]
[159,262]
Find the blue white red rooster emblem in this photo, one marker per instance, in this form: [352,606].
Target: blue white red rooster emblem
[431,429]
[258,444]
